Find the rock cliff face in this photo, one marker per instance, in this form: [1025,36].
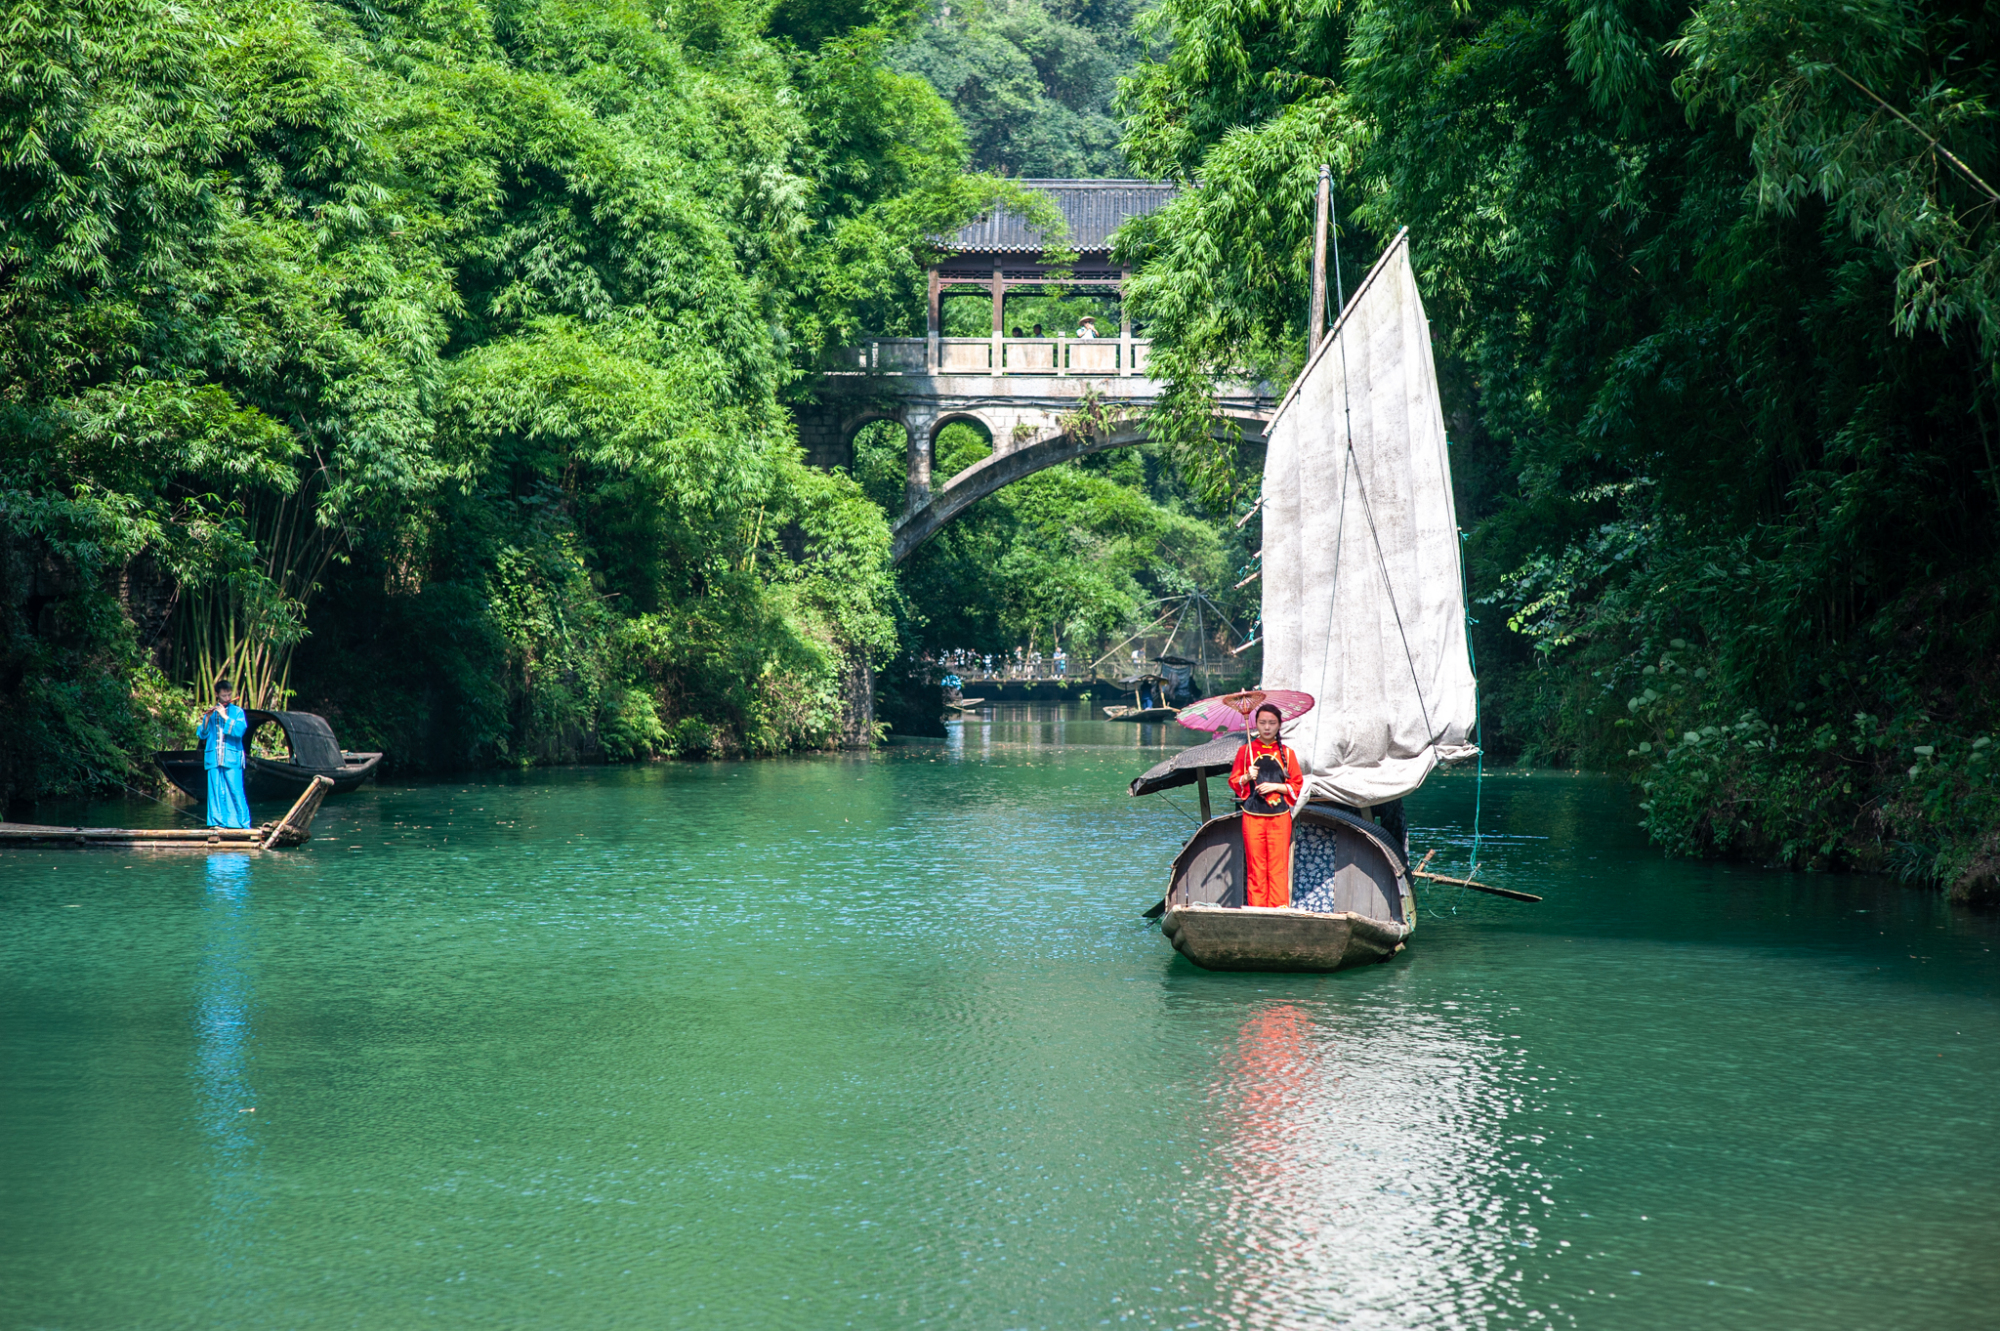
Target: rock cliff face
[857,704]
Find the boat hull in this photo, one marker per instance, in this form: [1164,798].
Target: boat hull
[1261,938]
[1351,872]
[265,779]
[1140,713]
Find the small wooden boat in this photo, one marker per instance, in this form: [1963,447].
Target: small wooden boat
[1118,713]
[1146,691]
[965,704]
[1348,870]
[313,751]
[294,829]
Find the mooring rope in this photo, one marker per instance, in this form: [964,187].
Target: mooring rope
[162,803]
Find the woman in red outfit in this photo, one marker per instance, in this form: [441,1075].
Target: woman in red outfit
[1266,777]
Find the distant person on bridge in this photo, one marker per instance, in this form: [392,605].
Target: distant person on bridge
[1266,777]
[1088,327]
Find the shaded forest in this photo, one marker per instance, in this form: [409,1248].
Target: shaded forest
[428,366]
[1715,292]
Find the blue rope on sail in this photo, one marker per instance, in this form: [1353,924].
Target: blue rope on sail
[1479,712]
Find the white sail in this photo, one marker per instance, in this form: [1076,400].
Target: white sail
[1364,606]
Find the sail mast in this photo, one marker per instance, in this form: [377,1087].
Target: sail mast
[1316,317]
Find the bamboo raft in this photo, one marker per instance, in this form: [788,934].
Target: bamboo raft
[294,829]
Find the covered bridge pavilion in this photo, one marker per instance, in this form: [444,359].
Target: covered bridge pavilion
[1041,400]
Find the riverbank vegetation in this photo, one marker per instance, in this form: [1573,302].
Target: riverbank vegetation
[428,366]
[1715,290]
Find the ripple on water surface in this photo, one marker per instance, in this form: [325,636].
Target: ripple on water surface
[880,1041]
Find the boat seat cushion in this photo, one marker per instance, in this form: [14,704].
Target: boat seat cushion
[1328,876]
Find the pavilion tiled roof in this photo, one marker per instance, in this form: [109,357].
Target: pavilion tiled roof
[1093,208]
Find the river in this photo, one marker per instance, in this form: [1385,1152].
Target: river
[880,1040]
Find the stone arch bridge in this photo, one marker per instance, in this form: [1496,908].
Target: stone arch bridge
[1052,400]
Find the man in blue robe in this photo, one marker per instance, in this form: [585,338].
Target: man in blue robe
[221,736]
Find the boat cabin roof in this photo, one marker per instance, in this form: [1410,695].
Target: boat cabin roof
[311,738]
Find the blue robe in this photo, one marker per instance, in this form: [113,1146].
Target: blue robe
[222,757]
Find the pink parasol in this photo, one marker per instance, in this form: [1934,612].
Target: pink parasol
[1232,711]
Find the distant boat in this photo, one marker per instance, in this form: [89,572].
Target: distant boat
[313,752]
[1146,690]
[1117,713]
[1364,608]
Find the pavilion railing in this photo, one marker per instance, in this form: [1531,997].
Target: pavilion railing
[1062,357]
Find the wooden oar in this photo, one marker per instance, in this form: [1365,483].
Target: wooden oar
[1507,892]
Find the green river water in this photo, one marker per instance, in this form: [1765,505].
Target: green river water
[880,1041]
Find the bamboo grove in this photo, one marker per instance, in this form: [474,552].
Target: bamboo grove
[429,364]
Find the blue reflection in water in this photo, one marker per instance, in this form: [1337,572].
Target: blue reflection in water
[222,1031]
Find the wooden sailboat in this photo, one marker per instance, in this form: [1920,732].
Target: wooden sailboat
[1363,608]
[294,829]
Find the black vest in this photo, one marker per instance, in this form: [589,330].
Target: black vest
[1267,769]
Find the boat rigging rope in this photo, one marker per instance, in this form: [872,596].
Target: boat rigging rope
[1478,717]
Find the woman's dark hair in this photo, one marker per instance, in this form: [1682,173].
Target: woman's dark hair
[222,686]
[1272,708]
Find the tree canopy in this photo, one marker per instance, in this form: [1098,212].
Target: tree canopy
[430,364]
[1712,288]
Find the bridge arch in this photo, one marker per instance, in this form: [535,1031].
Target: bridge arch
[1019,459]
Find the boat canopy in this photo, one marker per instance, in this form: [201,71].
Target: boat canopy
[1364,601]
[310,737]
[1214,758]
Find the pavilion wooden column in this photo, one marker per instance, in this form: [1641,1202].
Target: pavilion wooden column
[1125,340]
[999,314]
[935,326]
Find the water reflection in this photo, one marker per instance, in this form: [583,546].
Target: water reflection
[1361,1174]
[224,1098]
[1050,725]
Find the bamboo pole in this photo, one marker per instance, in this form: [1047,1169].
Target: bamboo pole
[1507,892]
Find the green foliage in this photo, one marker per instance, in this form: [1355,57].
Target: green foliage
[1076,555]
[1711,287]
[435,357]
[1032,81]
